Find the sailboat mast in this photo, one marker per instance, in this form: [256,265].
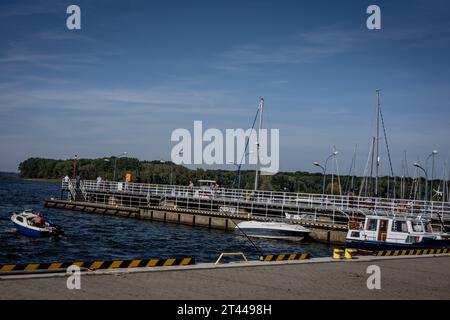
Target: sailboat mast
[353,170]
[402,181]
[377,159]
[261,107]
[372,153]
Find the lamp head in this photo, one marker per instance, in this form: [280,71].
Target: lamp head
[316,163]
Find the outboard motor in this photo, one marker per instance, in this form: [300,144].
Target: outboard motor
[57,231]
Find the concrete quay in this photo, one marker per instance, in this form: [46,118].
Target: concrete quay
[403,277]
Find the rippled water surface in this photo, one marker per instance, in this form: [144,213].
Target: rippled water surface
[94,236]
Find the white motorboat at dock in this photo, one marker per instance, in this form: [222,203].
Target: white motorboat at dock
[273,230]
[394,233]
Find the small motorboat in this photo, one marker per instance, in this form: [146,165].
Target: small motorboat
[272,230]
[25,226]
[379,233]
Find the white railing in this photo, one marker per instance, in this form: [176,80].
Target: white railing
[68,185]
[272,200]
[83,190]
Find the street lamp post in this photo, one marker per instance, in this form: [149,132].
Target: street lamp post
[75,167]
[115,163]
[171,170]
[432,154]
[181,153]
[323,174]
[417,165]
[106,160]
[324,169]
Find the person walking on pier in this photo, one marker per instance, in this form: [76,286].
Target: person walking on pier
[191,187]
[99,182]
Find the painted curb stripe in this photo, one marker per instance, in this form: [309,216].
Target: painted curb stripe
[411,252]
[284,257]
[96,265]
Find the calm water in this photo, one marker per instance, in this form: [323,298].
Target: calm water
[96,237]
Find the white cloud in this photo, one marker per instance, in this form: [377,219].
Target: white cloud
[295,49]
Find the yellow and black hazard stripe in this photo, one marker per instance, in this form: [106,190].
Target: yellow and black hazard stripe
[101,264]
[411,252]
[285,257]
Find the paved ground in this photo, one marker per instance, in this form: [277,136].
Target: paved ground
[405,278]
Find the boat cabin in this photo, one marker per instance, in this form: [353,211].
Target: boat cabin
[391,229]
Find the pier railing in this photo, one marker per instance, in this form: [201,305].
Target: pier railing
[269,203]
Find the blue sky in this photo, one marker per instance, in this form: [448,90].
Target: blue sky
[137,70]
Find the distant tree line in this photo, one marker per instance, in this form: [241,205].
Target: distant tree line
[161,172]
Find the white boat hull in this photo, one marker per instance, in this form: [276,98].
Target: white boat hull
[272,230]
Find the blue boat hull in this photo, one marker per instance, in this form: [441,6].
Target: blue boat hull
[382,246]
[30,232]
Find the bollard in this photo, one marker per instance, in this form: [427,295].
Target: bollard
[337,253]
[349,252]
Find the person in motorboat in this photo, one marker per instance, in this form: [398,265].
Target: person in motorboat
[34,225]
[39,221]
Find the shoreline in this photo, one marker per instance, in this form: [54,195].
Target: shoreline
[30,179]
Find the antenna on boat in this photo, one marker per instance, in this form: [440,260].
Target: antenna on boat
[260,109]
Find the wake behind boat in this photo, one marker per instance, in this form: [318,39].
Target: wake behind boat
[273,230]
[26,225]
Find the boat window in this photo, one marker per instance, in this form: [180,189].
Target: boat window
[355,234]
[417,226]
[399,226]
[428,227]
[20,219]
[371,225]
